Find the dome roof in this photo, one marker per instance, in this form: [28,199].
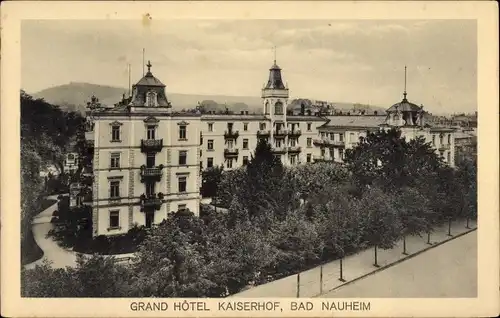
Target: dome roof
[150,80]
[404,106]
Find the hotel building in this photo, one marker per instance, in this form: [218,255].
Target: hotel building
[147,158]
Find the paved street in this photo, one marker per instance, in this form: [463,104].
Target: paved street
[354,266]
[449,270]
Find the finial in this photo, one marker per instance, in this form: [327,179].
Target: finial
[149,66]
[405,85]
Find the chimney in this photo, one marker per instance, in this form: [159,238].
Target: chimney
[242,112]
[246,112]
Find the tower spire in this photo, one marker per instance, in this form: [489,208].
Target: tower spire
[404,94]
[275,54]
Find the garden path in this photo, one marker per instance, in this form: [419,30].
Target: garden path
[52,252]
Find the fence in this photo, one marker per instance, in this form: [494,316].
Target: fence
[329,276]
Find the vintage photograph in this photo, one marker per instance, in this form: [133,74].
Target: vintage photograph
[249,158]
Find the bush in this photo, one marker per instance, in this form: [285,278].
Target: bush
[30,251]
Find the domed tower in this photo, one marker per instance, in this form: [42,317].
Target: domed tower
[275,100]
[149,92]
[405,113]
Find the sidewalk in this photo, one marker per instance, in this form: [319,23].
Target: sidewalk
[354,266]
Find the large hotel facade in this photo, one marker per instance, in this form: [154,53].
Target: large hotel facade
[148,158]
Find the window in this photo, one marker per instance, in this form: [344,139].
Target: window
[114,189]
[341,137]
[210,144]
[449,139]
[278,108]
[210,162]
[351,136]
[308,126]
[332,136]
[448,157]
[293,159]
[201,165]
[230,143]
[245,143]
[181,207]
[150,189]
[293,142]
[210,127]
[114,219]
[245,126]
[201,152]
[182,182]
[309,142]
[278,143]
[322,152]
[182,132]
[150,160]
[245,160]
[115,133]
[151,99]
[151,132]
[229,163]
[308,157]
[182,157]
[341,154]
[229,126]
[262,126]
[434,139]
[115,160]
[440,139]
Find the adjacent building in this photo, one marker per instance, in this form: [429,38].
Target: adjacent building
[147,158]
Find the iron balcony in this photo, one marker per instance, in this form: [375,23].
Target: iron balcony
[295,132]
[150,202]
[151,145]
[231,134]
[151,173]
[230,152]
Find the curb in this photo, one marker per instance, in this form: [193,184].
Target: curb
[397,262]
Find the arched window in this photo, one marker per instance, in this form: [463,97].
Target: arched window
[266,108]
[151,99]
[278,108]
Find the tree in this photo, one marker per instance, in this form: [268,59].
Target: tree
[383,225]
[211,178]
[414,213]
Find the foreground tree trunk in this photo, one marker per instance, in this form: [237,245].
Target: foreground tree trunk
[449,227]
[341,278]
[376,264]
[429,238]
[467,225]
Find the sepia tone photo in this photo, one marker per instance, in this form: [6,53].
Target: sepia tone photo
[309,158]
[249,165]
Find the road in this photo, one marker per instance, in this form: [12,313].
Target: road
[448,270]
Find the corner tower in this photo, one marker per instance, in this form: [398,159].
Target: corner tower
[275,101]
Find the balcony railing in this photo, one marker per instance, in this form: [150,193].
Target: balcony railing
[320,141]
[151,145]
[281,149]
[294,149]
[319,158]
[231,152]
[444,147]
[151,173]
[336,143]
[231,134]
[153,201]
[328,142]
[295,132]
[280,132]
[263,133]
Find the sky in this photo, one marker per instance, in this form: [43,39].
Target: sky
[359,61]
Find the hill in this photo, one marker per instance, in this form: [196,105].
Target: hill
[74,96]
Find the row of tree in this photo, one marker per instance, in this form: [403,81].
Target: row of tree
[280,221]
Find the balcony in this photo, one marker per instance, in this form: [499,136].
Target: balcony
[320,142]
[231,134]
[263,133]
[280,149]
[230,152]
[152,173]
[151,145]
[280,132]
[328,142]
[151,202]
[294,149]
[336,143]
[443,147]
[295,132]
[318,158]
